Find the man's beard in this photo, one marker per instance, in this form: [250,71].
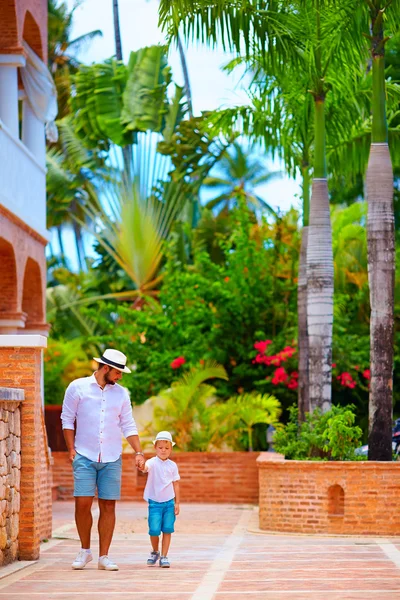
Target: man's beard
[108,380]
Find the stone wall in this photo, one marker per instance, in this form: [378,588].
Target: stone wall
[229,477]
[346,498]
[10,472]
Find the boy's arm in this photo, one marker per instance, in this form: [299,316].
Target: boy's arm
[177,496]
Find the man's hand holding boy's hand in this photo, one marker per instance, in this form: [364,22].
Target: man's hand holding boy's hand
[177,508]
[139,460]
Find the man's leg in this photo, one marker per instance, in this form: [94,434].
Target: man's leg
[106,525]
[84,519]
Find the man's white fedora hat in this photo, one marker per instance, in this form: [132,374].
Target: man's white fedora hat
[165,436]
[115,359]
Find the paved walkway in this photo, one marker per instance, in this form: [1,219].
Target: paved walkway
[217,553]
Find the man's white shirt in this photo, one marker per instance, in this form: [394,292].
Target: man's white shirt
[101,415]
[161,475]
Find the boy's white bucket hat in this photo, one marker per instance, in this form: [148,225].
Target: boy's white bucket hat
[165,436]
[115,359]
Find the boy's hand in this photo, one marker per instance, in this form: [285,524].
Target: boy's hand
[139,460]
[177,508]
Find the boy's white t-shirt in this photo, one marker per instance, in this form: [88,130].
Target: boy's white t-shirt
[161,475]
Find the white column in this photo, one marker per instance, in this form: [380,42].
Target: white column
[9,64]
[33,134]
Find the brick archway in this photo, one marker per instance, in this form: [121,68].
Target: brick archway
[9,294]
[31,34]
[32,298]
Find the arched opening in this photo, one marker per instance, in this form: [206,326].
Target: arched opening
[32,299]
[336,501]
[8,296]
[31,34]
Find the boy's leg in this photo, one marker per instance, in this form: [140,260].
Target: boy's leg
[155,542]
[166,541]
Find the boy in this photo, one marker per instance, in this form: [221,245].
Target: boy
[162,494]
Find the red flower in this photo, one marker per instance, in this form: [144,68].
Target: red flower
[333,365]
[178,362]
[280,376]
[293,384]
[357,368]
[226,279]
[367,373]
[346,380]
[262,346]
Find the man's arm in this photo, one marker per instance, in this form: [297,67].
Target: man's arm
[134,442]
[69,437]
[68,416]
[129,429]
[177,496]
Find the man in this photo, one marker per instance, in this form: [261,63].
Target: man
[101,409]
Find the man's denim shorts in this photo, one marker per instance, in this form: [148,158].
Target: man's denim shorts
[89,474]
[161,517]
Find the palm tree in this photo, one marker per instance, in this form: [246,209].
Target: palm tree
[239,175]
[317,37]
[381,242]
[183,400]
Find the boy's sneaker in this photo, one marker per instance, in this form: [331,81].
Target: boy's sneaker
[153,558]
[105,564]
[164,562]
[82,560]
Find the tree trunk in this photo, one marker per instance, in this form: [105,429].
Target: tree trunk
[320,276]
[381,267]
[117,32]
[303,389]
[381,255]
[303,399]
[185,72]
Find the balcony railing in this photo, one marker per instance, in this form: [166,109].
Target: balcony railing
[22,182]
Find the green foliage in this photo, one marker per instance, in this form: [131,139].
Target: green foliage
[63,362]
[214,311]
[199,422]
[322,436]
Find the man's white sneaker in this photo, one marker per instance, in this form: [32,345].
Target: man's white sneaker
[105,564]
[82,559]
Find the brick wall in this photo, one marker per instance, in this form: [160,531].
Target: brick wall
[205,477]
[10,473]
[21,368]
[23,18]
[358,498]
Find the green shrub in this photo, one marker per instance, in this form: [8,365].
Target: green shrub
[322,436]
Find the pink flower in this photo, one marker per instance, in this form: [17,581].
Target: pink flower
[178,362]
[367,373]
[262,346]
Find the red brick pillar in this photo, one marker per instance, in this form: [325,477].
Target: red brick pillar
[21,367]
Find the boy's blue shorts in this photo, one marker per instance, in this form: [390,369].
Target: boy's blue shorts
[161,517]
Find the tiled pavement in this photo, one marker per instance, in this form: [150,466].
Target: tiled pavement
[217,553]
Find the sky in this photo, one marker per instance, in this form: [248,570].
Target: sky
[211,87]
